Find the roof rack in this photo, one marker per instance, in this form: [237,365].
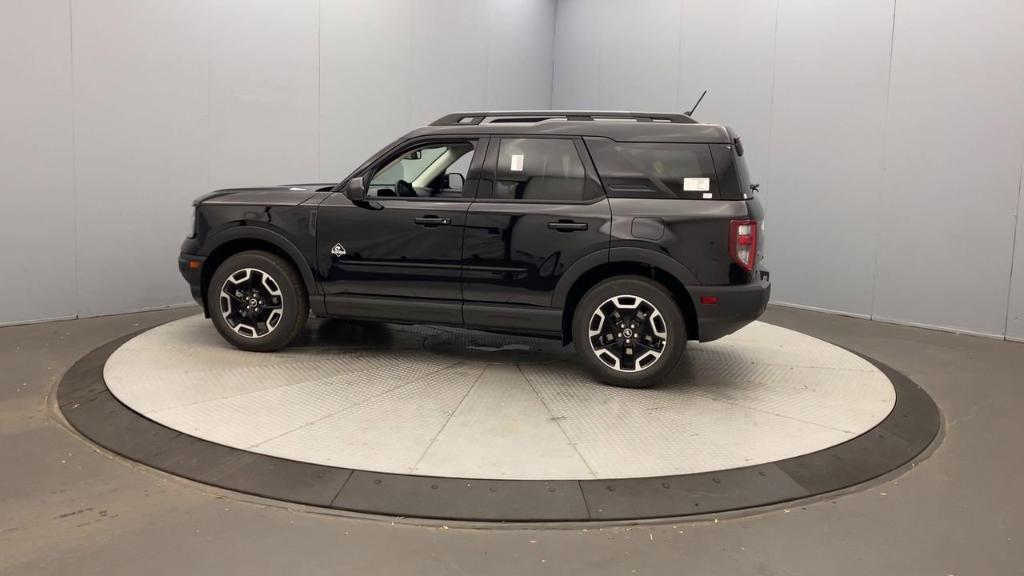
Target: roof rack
[532,116]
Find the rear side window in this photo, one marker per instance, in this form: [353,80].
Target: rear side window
[540,170]
[655,170]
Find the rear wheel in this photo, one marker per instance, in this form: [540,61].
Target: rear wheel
[257,301]
[629,332]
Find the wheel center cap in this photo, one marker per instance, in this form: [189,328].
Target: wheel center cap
[627,333]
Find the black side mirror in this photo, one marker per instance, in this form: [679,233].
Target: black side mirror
[456,181]
[355,189]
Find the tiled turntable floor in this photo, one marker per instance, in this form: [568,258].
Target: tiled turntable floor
[446,402]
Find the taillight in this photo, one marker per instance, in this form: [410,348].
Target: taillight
[743,243]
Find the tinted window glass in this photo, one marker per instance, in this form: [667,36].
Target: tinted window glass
[424,172]
[539,170]
[655,170]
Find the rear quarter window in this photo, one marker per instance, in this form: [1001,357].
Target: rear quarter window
[655,169]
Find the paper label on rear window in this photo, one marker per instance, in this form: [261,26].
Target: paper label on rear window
[517,163]
[696,184]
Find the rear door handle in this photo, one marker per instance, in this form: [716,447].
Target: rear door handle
[567,226]
[431,221]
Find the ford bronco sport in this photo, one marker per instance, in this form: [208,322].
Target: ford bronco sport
[626,234]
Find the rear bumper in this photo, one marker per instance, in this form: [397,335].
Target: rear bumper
[193,276]
[736,307]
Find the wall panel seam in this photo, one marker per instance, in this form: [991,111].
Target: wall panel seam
[1013,245]
[74,160]
[679,56]
[771,97]
[885,151]
[209,90]
[554,53]
[319,95]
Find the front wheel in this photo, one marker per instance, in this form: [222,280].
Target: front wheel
[629,332]
[257,301]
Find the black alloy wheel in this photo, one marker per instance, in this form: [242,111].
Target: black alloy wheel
[629,331]
[257,301]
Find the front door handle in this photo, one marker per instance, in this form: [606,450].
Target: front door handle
[567,226]
[431,221]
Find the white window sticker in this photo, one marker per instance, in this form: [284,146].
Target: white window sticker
[517,163]
[706,195]
[696,184]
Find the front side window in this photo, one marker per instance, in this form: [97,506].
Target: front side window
[539,170]
[435,170]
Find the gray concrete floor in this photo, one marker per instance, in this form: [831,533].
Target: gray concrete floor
[68,508]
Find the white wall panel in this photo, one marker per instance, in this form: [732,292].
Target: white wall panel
[388,67]
[448,69]
[37,226]
[264,119]
[577,59]
[617,55]
[520,53]
[831,81]
[140,70]
[639,55]
[953,154]
[364,101]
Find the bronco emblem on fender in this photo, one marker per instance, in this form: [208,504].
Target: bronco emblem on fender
[338,251]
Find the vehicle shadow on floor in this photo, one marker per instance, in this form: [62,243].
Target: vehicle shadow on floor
[471,345]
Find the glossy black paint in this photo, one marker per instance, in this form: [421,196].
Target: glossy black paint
[501,265]
[276,218]
[388,253]
[515,252]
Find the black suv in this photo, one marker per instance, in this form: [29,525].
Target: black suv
[627,234]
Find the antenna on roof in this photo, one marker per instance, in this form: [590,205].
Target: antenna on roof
[690,113]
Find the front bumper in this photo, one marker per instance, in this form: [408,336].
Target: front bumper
[736,307]
[193,274]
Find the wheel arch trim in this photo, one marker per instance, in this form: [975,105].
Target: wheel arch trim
[257,233]
[626,255]
[621,254]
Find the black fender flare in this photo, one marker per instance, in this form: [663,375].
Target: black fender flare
[250,232]
[619,254]
[657,259]
[570,276]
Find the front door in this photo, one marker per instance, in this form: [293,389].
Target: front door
[539,209]
[397,255]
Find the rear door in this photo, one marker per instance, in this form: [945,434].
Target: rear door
[539,209]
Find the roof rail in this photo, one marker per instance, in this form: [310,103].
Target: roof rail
[526,116]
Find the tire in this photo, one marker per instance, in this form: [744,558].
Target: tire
[656,344]
[243,295]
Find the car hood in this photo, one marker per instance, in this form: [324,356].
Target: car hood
[283,195]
